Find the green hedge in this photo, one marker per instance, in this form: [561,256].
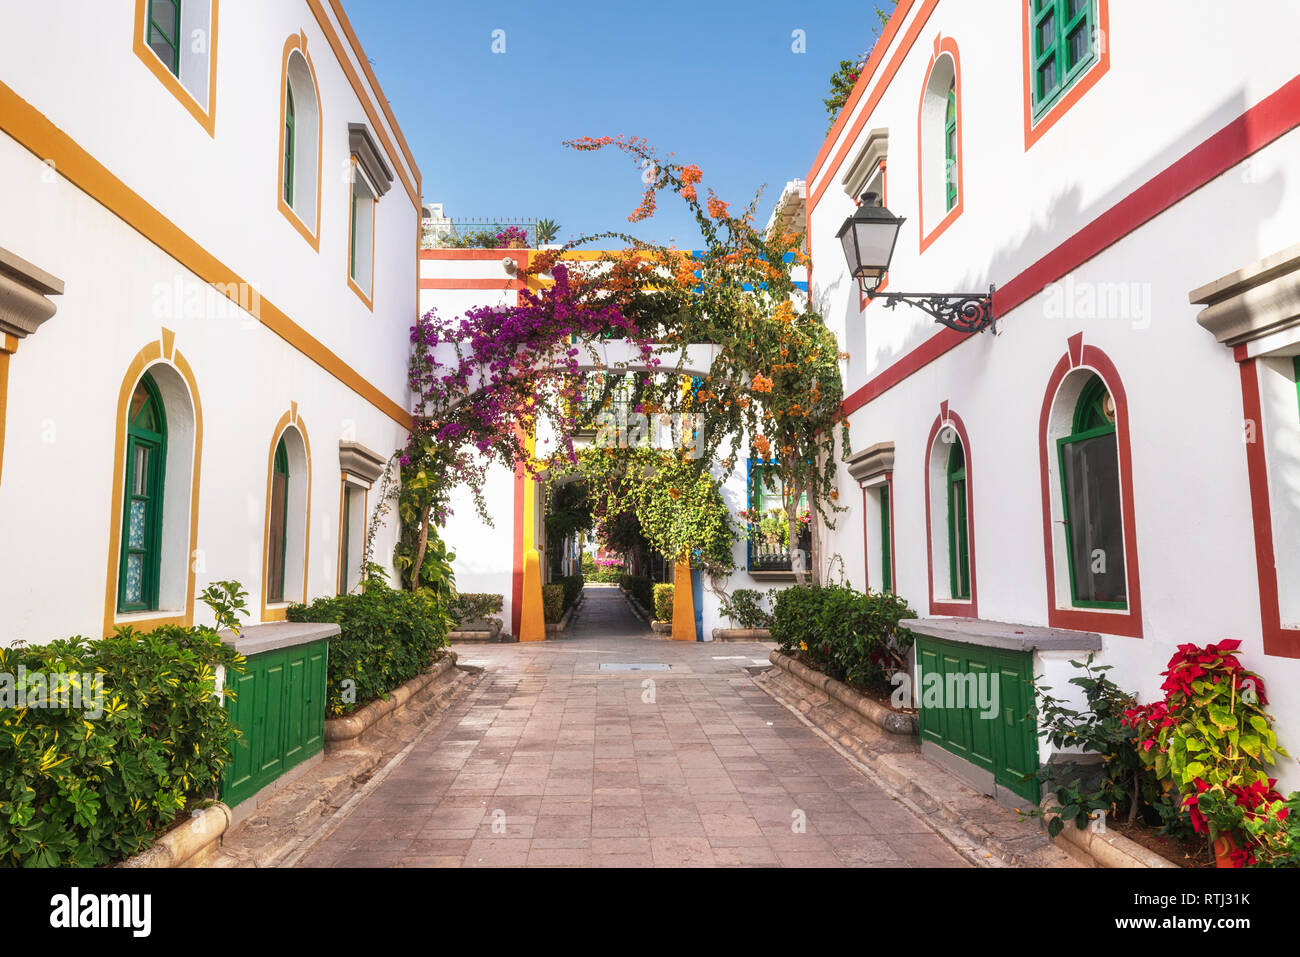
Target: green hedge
[572,588]
[850,636]
[641,588]
[553,602]
[475,606]
[92,785]
[663,598]
[388,637]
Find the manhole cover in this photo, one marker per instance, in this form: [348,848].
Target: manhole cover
[620,666]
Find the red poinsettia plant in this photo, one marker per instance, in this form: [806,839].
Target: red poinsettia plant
[1212,740]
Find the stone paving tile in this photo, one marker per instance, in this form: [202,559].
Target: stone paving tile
[551,762]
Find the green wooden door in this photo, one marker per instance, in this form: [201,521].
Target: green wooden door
[975,703]
[279,706]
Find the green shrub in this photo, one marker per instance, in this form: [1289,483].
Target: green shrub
[572,588]
[640,588]
[388,637]
[745,609]
[475,606]
[85,789]
[852,637]
[663,598]
[553,602]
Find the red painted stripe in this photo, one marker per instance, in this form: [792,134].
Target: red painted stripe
[1279,641]
[1259,126]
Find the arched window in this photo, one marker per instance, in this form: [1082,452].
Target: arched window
[300,141]
[279,524]
[958,524]
[950,518]
[177,41]
[1090,489]
[939,135]
[146,454]
[288,517]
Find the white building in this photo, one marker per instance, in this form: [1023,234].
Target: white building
[207,281]
[1124,174]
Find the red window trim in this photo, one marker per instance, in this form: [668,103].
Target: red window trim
[962,609]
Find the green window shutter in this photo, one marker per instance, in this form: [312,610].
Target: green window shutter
[289,132]
[163,28]
[958,526]
[886,558]
[1062,46]
[146,454]
[1090,499]
[950,146]
[279,524]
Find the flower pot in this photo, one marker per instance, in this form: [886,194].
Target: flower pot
[1227,849]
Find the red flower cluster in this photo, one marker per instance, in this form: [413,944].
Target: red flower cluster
[1190,663]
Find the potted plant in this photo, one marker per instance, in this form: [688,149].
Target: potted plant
[1212,739]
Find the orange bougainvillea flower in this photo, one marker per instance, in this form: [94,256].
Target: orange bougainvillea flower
[717,208]
[762,383]
[691,174]
[689,194]
[675,493]
[763,445]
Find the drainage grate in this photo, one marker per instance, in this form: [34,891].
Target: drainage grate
[612,666]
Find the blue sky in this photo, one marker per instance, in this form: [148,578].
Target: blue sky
[714,81]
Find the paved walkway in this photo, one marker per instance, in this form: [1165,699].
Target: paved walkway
[562,756]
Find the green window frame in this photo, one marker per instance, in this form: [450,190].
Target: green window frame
[163,26]
[1091,501]
[1062,47]
[958,525]
[290,132]
[146,455]
[352,240]
[950,146]
[279,545]
[1296,362]
[886,552]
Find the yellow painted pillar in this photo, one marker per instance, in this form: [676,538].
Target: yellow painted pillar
[532,618]
[683,603]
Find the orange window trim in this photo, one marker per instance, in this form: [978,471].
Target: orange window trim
[299,42]
[33,130]
[207,117]
[162,351]
[1034,131]
[943,46]
[366,297]
[287,421]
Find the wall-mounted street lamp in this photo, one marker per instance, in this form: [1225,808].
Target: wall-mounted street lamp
[869,237]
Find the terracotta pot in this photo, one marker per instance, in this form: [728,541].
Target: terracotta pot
[1225,845]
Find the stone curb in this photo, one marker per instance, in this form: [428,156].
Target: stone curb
[187,843]
[873,711]
[1105,848]
[340,732]
[661,627]
[558,627]
[742,634]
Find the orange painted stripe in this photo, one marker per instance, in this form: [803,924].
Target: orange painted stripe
[341,54]
[33,130]
[469,253]
[922,17]
[364,60]
[864,80]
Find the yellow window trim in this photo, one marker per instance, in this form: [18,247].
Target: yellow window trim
[298,42]
[276,611]
[207,117]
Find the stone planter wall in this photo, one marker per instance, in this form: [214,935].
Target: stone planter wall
[894,722]
[189,843]
[480,630]
[742,634]
[346,730]
[1100,848]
